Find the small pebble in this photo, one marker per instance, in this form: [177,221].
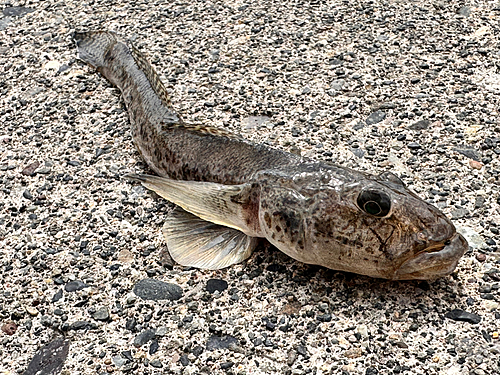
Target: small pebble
[470,153]
[479,202]
[220,342]
[480,257]
[29,170]
[81,325]
[464,11]
[216,284]
[353,353]
[119,361]
[27,195]
[73,286]
[57,296]
[184,360]
[226,365]
[475,164]
[302,350]
[420,125]
[16,11]
[156,363]
[128,354]
[401,345]
[74,163]
[32,311]
[101,314]
[49,359]
[144,337]
[375,118]
[414,146]
[464,316]
[153,347]
[459,213]
[9,328]
[155,290]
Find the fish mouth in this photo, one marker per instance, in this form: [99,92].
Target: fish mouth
[434,261]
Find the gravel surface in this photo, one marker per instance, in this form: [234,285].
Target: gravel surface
[412,87]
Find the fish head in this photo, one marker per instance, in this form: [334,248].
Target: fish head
[425,244]
[370,225]
[380,228]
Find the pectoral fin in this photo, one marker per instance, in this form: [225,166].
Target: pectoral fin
[195,242]
[217,203]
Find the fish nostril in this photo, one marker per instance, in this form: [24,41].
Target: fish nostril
[422,236]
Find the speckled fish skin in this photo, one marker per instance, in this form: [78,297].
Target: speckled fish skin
[308,209]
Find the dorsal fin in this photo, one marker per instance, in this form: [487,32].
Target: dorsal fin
[161,91]
[151,75]
[205,130]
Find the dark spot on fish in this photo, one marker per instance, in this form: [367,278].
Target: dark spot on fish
[383,242]
[323,228]
[267,219]
[300,243]
[351,243]
[278,228]
[287,201]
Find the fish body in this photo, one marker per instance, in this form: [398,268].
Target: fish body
[230,191]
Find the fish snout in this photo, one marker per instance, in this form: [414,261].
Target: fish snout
[438,259]
[437,229]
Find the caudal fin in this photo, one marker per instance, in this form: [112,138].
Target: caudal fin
[93,45]
[104,49]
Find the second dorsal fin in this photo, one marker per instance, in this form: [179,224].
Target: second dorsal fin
[151,75]
[161,91]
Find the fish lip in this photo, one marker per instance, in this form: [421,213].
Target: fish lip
[433,262]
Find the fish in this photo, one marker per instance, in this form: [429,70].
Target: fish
[229,192]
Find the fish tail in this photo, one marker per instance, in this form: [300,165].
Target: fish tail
[93,46]
[108,53]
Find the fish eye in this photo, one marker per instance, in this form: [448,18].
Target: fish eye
[374,202]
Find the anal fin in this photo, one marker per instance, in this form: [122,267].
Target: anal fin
[195,242]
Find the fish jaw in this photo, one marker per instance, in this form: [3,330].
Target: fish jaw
[430,264]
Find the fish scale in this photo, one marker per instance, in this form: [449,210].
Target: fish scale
[230,191]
